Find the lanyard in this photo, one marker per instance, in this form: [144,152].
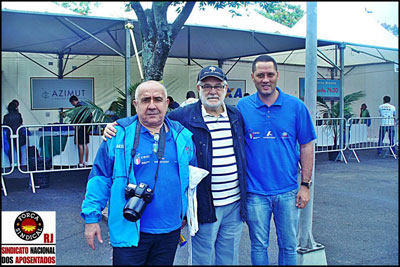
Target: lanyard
[160,150]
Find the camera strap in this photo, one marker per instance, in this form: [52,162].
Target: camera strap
[159,153]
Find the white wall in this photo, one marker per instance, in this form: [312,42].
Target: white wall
[109,72]
[377,80]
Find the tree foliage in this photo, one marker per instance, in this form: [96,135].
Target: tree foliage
[283,13]
[333,112]
[79,7]
[80,114]
[391,28]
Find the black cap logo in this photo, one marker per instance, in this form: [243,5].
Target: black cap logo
[28,226]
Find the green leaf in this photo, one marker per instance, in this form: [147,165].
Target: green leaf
[81,113]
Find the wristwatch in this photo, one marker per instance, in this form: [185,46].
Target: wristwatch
[308,184]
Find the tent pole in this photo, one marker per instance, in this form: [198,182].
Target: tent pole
[341,113]
[128,71]
[60,66]
[22,54]
[188,44]
[309,252]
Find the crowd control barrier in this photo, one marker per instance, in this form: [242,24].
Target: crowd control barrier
[372,132]
[40,149]
[50,148]
[7,151]
[331,137]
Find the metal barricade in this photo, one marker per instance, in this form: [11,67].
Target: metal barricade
[7,154]
[329,136]
[55,147]
[372,132]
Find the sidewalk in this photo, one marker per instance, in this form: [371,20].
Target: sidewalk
[355,213]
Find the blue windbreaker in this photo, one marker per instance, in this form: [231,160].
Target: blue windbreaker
[108,179]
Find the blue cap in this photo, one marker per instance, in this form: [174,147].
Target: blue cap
[211,71]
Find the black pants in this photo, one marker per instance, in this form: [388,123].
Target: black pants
[153,249]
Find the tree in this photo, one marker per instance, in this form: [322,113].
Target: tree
[158,36]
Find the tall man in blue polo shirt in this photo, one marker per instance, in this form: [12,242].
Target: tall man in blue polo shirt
[276,126]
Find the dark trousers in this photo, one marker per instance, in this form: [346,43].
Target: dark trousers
[153,249]
[382,133]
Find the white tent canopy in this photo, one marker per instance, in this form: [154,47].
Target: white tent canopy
[347,22]
[46,7]
[344,22]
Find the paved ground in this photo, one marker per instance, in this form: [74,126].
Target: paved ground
[355,213]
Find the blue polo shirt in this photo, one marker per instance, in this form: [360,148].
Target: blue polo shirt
[272,136]
[163,213]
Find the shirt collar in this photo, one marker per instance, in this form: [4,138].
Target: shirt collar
[278,101]
[204,113]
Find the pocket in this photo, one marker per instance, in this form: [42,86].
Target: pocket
[290,194]
[253,199]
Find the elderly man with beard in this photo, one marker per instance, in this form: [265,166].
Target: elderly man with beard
[219,139]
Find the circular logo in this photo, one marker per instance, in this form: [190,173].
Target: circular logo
[28,226]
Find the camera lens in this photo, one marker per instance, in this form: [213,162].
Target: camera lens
[131,215]
[134,208]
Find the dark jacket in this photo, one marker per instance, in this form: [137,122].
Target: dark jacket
[13,119]
[190,116]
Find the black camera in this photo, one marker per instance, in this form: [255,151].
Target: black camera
[138,197]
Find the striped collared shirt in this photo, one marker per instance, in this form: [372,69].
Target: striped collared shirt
[224,176]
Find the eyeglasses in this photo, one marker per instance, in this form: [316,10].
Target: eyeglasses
[207,87]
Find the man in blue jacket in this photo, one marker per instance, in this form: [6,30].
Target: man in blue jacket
[149,151]
[219,138]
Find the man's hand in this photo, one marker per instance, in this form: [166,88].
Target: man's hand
[110,130]
[91,230]
[303,196]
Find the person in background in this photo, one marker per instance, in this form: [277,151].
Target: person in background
[111,111]
[246,94]
[364,113]
[219,138]
[82,133]
[387,111]
[190,99]
[279,133]
[16,102]
[14,119]
[172,104]
[152,237]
